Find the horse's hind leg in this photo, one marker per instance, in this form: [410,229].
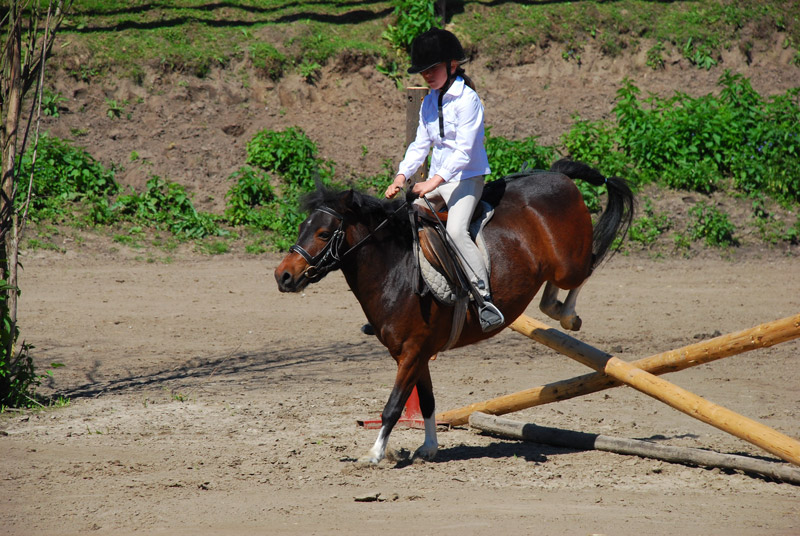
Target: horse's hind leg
[563,312]
[569,318]
[549,303]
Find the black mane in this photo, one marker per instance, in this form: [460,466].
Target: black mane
[372,211]
[366,209]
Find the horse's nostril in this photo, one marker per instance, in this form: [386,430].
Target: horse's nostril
[284,279]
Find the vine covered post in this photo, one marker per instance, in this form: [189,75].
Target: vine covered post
[27,40]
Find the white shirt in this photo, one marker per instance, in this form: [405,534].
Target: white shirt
[460,154]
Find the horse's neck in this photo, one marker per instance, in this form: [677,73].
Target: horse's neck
[377,271]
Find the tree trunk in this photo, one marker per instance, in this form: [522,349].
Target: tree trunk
[12,91]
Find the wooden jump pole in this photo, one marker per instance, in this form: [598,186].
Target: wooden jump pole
[761,336]
[622,445]
[772,441]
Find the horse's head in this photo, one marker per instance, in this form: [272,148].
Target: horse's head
[318,248]
[316,252]
[338,223]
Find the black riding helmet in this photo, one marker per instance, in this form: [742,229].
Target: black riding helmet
[432,47]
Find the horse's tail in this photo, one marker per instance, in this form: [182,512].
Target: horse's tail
[618,215]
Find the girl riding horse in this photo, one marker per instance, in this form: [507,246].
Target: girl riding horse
[451,120]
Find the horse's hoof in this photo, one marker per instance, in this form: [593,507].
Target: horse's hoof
[368,461]
[572,323]
[425,453]
[367,329]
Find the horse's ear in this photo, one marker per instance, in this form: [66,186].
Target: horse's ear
[351,199]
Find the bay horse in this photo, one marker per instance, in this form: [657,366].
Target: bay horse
[541,232]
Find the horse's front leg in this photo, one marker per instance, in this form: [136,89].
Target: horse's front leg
[409,372]
[427,404]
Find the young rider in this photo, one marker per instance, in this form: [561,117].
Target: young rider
[451,120]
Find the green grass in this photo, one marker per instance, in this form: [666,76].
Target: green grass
[196,36]
[279,36]
[735,140]
[615,26]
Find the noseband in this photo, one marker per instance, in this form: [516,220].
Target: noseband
[329,257]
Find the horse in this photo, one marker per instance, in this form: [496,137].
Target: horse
[541,233]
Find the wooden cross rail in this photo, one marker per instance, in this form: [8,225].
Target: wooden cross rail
[641,375]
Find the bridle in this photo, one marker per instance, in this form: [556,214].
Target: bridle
[330,257]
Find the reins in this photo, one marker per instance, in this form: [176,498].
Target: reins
[329,257]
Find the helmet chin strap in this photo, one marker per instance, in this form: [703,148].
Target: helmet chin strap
[442,91]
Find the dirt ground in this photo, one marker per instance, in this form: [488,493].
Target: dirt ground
[206,402]
[203,401]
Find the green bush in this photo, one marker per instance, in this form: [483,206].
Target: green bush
[64,174]
[700,176]
[167,205]
[510,156]
[251,191]
[413,17]
[51,102]
[292,155]
[695,143]
[712,225]
[647,228]
[596,142]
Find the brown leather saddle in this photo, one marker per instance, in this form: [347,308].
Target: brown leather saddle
[430,235]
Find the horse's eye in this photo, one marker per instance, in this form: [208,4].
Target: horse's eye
[325,235]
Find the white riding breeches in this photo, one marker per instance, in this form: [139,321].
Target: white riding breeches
[461,198]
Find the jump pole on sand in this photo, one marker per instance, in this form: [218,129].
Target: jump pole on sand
[761,336]
[622,445]
[631,374]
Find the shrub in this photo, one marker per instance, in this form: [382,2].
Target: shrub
[711,224]
[64,174]
[167,205]
[413,17]
[510,156]
[693,143]
[51,102]
[597,142]
[646,229]
[250,192]
[291,154]
[293,157]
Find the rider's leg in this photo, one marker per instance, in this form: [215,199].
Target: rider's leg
[462,197]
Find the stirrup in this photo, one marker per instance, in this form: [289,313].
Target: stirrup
[490,316]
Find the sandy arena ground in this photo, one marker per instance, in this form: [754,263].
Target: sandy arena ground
[206,402]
